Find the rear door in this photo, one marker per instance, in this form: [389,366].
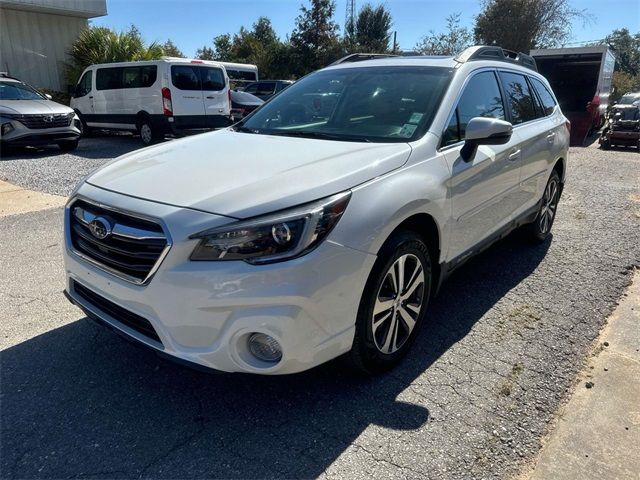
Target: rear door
[186,91]
[215,93]
[484,191]
[534,134]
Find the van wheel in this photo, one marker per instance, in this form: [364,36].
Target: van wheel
[147,132]
[393,304]
[540,228]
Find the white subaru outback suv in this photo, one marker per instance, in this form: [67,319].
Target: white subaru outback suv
[324,222]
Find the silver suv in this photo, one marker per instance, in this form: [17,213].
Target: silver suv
[322,223]
[28,117]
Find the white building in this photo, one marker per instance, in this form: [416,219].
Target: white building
[35,36]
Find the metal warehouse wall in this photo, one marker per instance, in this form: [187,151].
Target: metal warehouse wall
[33,46]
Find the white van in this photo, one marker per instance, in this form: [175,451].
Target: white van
[154,97]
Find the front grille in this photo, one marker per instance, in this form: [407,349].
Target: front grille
[124,316]
[125,245]
[46,121]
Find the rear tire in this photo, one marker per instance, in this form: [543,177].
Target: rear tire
[605,145]
[540,228]
[148,133]
[68,146]
[393,305]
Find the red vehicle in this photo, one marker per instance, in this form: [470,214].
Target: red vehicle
[581,79]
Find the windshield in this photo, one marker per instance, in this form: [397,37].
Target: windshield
[18,91]
[371,104]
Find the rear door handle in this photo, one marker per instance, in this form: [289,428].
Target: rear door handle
[514,155]
[211,97]
[91,97]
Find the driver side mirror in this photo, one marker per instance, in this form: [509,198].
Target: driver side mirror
[484,131]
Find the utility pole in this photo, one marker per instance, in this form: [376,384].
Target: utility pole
[350,21]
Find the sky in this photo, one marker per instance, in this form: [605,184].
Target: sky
[190,24]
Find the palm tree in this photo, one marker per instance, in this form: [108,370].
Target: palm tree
[103,45]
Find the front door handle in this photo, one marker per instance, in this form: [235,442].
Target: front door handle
[211,97]
[514,155]
[90,97]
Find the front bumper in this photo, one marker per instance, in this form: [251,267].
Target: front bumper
[20,135]
[204,312]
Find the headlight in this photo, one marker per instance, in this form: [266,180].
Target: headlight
[275,237]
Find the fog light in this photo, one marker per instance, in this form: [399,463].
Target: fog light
[7,128]
[265,348]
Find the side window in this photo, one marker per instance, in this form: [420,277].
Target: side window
[212,78]
[520,97]
[149,75]
[548,103]
[481,98]
[131,77]
[109,78]
[84,85]
[185,77]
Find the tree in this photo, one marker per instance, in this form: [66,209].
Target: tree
[314,40]
[170,49]
[372,30]
[451,42]
[103,45]
[222,48]
[627,50]
[523,25]
[622,83]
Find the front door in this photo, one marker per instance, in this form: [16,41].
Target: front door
[484,191]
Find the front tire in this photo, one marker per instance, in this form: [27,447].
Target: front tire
[393,304]
[540,228]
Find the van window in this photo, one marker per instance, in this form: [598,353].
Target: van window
[520,97]
[84,85]
[185,77]
[212,78]
[481,98]
[548,103]
[109,78]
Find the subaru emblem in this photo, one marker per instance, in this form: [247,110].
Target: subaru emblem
[100,228]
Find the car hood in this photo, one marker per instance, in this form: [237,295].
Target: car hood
[242,175]
[32,107]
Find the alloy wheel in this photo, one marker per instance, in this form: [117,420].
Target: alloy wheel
[398,303]
[549,206]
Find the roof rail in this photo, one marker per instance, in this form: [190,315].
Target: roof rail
[359,57]
[480,52]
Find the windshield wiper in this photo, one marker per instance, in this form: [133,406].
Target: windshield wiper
[320,135]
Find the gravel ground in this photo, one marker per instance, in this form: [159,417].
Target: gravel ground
[47,169]
[505,339]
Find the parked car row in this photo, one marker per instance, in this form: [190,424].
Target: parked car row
[150,98]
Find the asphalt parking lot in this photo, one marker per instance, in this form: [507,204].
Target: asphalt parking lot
[504,341]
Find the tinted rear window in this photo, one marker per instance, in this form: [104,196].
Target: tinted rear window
[548,102]
[212,78]
[519,97]
[185,77]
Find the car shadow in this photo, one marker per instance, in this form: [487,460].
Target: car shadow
[77,401]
